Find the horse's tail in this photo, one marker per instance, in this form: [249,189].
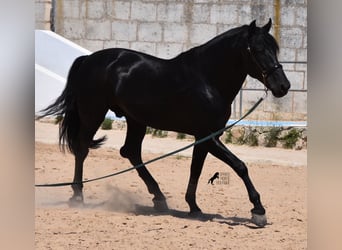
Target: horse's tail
[66,106]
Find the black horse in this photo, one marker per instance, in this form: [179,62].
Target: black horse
[191,93]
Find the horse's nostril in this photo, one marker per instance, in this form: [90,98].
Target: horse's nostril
[284,87]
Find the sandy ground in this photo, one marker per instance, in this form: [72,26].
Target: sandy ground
[118,212]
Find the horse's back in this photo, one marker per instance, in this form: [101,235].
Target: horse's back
[166,94]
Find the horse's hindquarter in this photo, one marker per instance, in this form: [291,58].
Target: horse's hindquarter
[163,95]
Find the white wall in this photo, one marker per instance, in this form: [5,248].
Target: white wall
[53,58]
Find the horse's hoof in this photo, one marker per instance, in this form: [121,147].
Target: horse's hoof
[259,219]
[76,201]
[160,205]
[196,214]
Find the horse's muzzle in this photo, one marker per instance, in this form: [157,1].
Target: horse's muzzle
[282,90]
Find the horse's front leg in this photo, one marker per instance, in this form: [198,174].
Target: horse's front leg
[198,156]
[217,149]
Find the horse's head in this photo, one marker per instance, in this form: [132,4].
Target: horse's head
[262,59]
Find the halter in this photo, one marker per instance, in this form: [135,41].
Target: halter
[265,73]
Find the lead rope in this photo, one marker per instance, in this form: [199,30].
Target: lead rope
[219,132]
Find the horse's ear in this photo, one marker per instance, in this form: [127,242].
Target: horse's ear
[252,27]
[268,26]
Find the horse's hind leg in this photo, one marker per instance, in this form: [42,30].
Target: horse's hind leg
[132,151]
[80,155]
[89,124]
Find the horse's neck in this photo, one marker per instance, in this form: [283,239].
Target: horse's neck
[222,65]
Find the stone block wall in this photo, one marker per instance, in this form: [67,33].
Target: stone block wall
[43,14]
[165,28]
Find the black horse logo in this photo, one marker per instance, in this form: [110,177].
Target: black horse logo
[215,176]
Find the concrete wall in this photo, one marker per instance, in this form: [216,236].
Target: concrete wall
[166,28]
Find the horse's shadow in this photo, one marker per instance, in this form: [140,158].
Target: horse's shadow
[231,221]
[144,210]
